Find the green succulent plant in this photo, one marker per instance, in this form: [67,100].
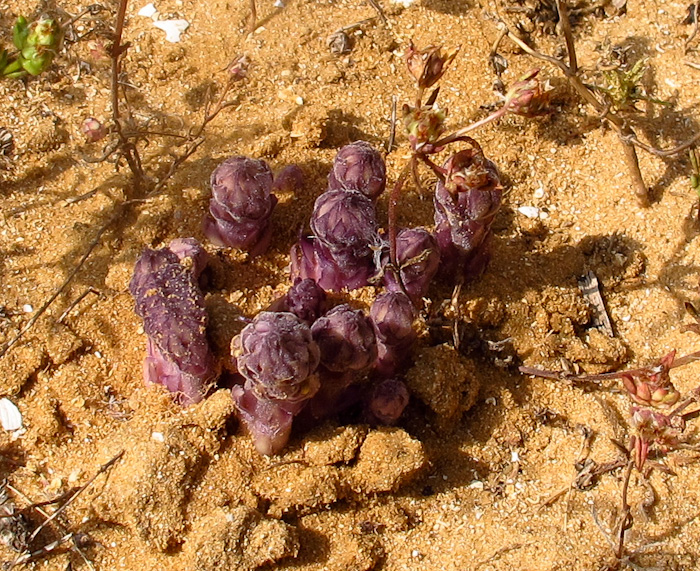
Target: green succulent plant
[36,42]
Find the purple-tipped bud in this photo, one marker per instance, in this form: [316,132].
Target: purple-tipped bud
[307,300]
[345,221]
[171,305]
[358,166]
[392,316]
[191,254]
[388,401]
[346,339]
[93,130]
[526,97]
[241,205]
[268,423]
[289,179]
[465,207]
[418,257]
[278,355]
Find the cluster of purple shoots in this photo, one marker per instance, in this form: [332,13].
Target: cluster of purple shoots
[299,357]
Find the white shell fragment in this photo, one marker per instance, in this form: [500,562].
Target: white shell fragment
[529,211]
[147,11]
[172,28]
[279,4]
[10,417]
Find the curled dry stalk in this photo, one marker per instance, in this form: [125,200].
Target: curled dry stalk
[143,188]
[657,420]
[627,136]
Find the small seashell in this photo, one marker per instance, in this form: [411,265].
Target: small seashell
[147,11]
[10,417]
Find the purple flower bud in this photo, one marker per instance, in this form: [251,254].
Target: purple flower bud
[418,256]
[93,130]
[191,254]
[358,166]
[278,355]
[171,305]
[345,221]
[465,207]
[268,422]
[346,339]
[289,179]
[388,401]
[392,316]
[241,205]
[307,300]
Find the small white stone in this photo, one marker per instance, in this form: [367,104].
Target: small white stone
[158,436]
[27,308]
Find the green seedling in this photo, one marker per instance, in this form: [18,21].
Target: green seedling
[624,88]
[36,42]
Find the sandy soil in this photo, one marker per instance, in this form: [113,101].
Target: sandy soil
[488,488]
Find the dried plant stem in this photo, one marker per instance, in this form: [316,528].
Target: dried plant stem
[69,278]
[127,147]
[625,512]
[79,491]
[624,131]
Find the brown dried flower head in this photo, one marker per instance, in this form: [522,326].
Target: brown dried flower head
[428,66]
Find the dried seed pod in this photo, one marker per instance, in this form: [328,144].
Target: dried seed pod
[346,339]
[241,205]
[358,166]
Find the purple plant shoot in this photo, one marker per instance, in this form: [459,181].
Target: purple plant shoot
[268,423]
[171,305]
[418,257]
[241,205]
[465,207]
[358,166]
[278,356]
[191,254]
[392,315]
[388,401]
[346,339]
